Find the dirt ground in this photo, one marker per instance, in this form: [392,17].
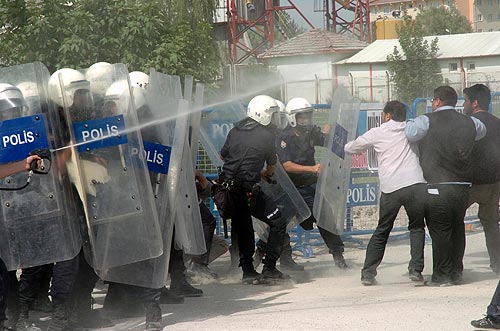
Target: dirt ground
[326,298]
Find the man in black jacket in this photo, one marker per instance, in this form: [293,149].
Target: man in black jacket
[486,169]
[446,139]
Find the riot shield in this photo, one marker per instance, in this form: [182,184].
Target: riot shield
[38,224]
[117,198]
[214,127]
[163,145]
[331,193]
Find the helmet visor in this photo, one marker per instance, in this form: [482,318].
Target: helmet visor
[304,119]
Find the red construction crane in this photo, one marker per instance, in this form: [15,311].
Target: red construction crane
[251,25]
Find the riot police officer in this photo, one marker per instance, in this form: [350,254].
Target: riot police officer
[249,148]
[295,147]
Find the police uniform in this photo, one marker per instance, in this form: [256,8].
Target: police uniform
[297,146]
[248,146]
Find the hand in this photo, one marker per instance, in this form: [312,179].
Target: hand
[30,159]
[326,128]
[316,169]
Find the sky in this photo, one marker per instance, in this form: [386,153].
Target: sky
[307,8]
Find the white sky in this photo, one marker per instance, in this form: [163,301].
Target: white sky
[307,8]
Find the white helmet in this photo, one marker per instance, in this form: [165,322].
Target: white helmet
[100,76]
[296,106]
[29,89]
[138,79]
[71,80]
[11,101]
[283,115]
[261,109]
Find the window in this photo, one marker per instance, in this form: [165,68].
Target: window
[490,2]
[411,5]
[490,30]
[490,17]
[420,6]
[478,2]
[387,9]
[453,67]
[479,17]
[471,66]
[499,17]
[479,30]
[435,4]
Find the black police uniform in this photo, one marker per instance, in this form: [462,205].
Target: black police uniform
[4,291]
[248,146]
[297,145]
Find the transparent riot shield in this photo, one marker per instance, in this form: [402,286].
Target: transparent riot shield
[331,193]
[38,224]
[115,187]
[215,125]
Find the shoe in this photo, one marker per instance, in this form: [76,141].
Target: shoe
[271,273]
[487,322]
[415,276]
[339,260]
[169,298]
[457,278]
[183,288]
[43,304]
[250,276]
[203,270]
[153,317]
[290,264]
[368,281]
[258,257]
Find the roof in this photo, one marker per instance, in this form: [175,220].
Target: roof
[386,2]
[467,45]
[314,42]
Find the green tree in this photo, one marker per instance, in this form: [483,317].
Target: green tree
[414,69]
[441,20]
[172,36]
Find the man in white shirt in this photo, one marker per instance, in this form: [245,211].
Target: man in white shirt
[401,183]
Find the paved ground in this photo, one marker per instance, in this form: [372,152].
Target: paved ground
[326,298]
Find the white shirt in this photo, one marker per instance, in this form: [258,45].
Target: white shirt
[398,164]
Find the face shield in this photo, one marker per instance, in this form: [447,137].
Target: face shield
[275,117]
[305,120]
[12,102]
[283,120]
[82,108]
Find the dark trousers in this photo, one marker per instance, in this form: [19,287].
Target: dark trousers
[34,281]
[487,196]
[494,307]
[72,283]
[176,266]
[266,211]
[332,240]
[209,223]
[445,214]
[412,198]
[4,290]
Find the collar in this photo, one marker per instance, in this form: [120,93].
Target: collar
[444,108]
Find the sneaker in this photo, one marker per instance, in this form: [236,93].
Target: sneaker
[203,270]
[368,281]
[487,322]
[169,298]
[290,264]
[183,288]
[339,260]
[258,256]
[415,276]
[271,273]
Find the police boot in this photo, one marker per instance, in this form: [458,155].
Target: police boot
[338,258]
[271,274]
[183,288]
[169,298]
[23,323]
[60,318]
[250,276]
[43,304]
[153,317]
